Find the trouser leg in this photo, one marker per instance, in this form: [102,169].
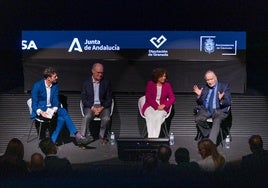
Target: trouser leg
[201,122]
[63,118]
[154,120]
[60,123]
[105,122]
[86,121]
[218,117]
[68,121]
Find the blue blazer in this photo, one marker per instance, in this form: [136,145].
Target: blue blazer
[39,97]
[222,104]
[105,93]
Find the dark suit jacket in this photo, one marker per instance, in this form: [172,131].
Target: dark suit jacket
[254,170]
[255,162]
[39,97]
[105,93]
[222,104]
[57,166]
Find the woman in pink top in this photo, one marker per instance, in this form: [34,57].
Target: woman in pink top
[159,97]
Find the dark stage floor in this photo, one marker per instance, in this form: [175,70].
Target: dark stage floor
[107,154]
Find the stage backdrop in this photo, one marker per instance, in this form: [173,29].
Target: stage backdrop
[130,56]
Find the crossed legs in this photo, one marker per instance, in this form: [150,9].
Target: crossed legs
[217,117]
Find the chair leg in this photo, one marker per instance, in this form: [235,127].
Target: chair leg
[30,131]
[144,131]
[198,136]
[222,138]
[165,130]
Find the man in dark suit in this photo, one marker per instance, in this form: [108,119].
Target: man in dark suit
[254,166]
[96,96]
[45,105]
[54,166]
[258,159]
[213,101]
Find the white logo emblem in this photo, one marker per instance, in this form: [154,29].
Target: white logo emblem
[28,45]
[75,46]
[157,42]
[209,46]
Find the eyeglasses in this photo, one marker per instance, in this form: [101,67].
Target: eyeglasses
[98,72]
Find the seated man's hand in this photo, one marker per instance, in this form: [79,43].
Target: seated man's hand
[44,114]
[97,110]
[197,90]
[221,95]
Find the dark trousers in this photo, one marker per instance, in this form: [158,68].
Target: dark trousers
[207,131]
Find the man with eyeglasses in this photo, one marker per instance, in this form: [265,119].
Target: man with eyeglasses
[213,101]
[96,96]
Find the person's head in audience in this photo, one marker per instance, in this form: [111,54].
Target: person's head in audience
[182,155]
[207,148]
[164,153]
[48,147]
[150,161]
[255,143]
[54,165]
[15,150]
[37,162]
[12,162]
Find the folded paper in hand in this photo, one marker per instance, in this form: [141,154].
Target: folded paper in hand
[50,113]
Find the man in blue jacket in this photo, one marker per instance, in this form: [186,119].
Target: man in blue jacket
[45,104]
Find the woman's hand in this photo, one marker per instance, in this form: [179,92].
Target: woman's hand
[161,107]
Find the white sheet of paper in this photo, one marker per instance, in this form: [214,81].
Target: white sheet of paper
[50,112]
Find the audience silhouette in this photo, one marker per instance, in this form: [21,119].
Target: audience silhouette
[182,158]
[12,162]
[211,159]
[54,165]
[150,164]
[155,169]
[37,165]
[254,166]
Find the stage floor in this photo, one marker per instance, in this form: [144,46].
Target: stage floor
[107,154]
